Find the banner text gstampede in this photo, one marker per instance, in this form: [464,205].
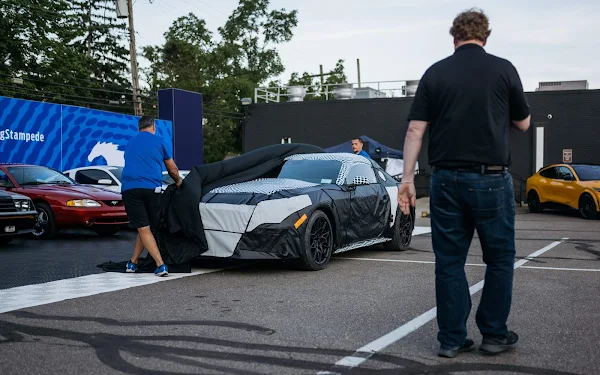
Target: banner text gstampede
[8,134]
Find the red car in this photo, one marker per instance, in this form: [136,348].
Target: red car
[62,203]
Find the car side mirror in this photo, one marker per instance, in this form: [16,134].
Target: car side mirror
[104,181]
[359,180]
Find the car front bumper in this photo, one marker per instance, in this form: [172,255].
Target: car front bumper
[17,223]
[90,216]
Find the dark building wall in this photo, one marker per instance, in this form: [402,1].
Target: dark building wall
[574,125]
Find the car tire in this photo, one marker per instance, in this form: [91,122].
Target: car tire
[587,207]
[402,231]
[5,240]
[533,202]
[107,231]
[313,258]
[45,228]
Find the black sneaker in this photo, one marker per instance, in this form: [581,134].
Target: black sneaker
[453,352]
[493,345]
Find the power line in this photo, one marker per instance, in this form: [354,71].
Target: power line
[66,100]
[67,85]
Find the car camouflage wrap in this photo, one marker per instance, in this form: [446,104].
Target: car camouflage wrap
[252,207]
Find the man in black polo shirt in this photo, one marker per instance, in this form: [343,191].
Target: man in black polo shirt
[468,101]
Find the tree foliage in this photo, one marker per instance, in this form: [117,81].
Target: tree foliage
[69,51]
[224,67]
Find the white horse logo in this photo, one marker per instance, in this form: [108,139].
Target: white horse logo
[110,152]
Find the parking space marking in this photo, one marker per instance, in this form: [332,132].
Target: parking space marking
[471,264]
[55,291]
[388,339]
[84,286]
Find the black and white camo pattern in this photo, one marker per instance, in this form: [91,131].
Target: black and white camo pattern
[345,158]
[358,245]
[359,180]
[264,186]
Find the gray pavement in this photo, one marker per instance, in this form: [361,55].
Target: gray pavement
[269,319]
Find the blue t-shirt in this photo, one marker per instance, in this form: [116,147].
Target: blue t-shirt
[363,153]
[144,160]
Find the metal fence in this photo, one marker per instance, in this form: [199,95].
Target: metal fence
[358,90]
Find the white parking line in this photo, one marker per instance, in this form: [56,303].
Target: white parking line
[55,291]
[471,264]
[364,353]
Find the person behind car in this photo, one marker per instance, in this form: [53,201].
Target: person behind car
[141,188]
[357,147]
[469,100]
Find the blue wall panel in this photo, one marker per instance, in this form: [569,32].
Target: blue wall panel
[65,137]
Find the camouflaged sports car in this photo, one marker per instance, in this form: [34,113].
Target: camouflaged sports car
[313,206]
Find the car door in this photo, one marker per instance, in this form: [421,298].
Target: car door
[545,188]
[369,204]
[564,188]
[93,176]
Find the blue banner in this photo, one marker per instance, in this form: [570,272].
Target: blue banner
[65,137]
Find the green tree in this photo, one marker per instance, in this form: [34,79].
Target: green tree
[224,68]
[66,51]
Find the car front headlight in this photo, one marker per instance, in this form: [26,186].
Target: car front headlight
[23,205]
[83,203]
[597,189]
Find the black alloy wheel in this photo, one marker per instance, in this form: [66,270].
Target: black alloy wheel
[44,227]
[533,203]
[587,207]
[402,231]
[318,242]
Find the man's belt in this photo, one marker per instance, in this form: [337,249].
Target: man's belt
[483,169]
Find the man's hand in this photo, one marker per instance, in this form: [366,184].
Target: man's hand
[179,182]
[407,197]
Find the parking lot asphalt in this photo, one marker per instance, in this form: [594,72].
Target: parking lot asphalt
[370,312]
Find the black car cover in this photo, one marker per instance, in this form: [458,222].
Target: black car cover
[180,235]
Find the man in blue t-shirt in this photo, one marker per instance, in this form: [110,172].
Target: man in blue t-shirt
[357,147]
[141,188]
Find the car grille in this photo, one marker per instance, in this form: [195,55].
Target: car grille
[114,203]
[7,205]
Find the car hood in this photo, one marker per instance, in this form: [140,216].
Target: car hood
[74,191]
[10,195]
[266,186]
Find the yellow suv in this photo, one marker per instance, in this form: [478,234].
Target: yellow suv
[575,186]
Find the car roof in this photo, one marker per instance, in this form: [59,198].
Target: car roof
[344,157]
[108,167]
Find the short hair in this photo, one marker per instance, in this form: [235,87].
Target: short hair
[471,24]
[359,139]
[145,122]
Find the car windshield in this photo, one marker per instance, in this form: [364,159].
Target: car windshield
[38,175]
[587,172]
[117,171]
[315,171]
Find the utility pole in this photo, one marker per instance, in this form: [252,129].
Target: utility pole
[137,104]
[358,69]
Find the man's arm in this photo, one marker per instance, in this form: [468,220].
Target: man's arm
[173,171]
[412,148]
[519,108]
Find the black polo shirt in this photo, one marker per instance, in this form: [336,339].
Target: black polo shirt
[469,100]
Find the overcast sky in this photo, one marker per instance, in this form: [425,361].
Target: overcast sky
[547,40]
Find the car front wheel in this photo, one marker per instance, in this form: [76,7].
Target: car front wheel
[587,207]
[318,243]
[45,226]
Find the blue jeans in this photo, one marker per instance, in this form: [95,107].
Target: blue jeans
[462,201]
